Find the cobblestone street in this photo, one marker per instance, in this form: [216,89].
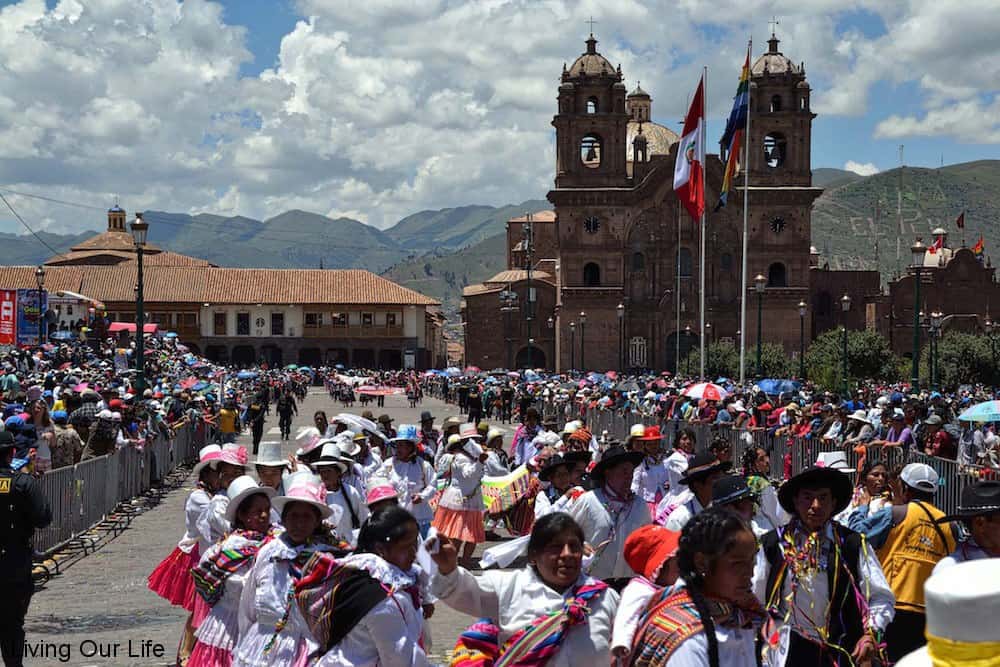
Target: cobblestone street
[99,612]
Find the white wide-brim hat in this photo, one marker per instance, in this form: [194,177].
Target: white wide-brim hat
[307,438]
[270,455]
[330,455]
[834,460]
[347,444]
[961,614]
[303,487]
[239,490]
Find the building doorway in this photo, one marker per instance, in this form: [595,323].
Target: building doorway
[688,342]
[530,357]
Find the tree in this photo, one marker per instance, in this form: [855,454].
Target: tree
[868,356]
[723,360]
[962,359]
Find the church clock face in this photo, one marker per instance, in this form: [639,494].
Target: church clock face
[592,224]
[777,224]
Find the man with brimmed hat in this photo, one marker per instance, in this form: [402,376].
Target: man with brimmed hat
[610,512]
[23,509]
[734,494]
[270,465]
[821,583]
[910,542]
[449,427]
[979,512]
[701,474]
[348,506]
[385,422]
[430,437]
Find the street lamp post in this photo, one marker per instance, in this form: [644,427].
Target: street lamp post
[935,327]
[759,283]
[40,281]
[687,357]
[621,336]
[917,252]
[572,346]
[845,306]
[139,230]
[802,339]
[508,301]
[583,325]
[991,328]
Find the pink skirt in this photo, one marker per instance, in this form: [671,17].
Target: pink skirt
[204,655]
[172,580]
[464,525]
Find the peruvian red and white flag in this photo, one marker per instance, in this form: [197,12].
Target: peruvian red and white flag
[689,172]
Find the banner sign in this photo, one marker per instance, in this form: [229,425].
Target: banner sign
[8,317]
[29,316]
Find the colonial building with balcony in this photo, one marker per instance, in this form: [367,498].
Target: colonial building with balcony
[242,316]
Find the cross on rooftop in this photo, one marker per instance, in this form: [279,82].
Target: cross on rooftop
[591,22]
[774,23]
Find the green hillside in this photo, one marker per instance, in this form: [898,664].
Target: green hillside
[454,228]
[443,274]
[18,249]
[845,230]
[826,177]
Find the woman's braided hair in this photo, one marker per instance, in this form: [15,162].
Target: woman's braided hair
[711,533]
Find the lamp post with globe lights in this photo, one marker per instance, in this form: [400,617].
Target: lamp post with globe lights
[139,230]
[917,251]
[621,336]
[40,281]
[759,283]
[845,307]
[803,309]
[583,325]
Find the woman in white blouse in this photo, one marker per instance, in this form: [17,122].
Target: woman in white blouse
[349,508]
[460,513]
[515,600]
[413,478]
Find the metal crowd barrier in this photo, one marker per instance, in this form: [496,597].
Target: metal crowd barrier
[83,495]
[788,455]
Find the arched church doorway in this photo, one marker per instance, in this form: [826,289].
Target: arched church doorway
[530,357]
[688,341]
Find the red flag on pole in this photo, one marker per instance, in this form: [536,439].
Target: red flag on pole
[960,223]
[689,175]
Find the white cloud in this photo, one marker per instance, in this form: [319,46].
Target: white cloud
[380,108]
[862,169]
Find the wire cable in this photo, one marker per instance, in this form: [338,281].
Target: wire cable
[28,227]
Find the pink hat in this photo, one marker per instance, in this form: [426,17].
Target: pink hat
[234,454]
[206,457]
[381,492]
[304,487]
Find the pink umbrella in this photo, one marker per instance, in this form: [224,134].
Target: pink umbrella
[705,391]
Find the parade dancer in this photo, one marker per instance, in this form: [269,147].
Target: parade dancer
[459,515]
[413,478]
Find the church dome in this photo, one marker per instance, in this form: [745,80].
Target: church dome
[638,92]
[591,63]
[774,62]
[659,139]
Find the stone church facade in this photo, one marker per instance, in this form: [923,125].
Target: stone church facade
[616,263]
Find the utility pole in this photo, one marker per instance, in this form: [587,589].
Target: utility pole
[529,302]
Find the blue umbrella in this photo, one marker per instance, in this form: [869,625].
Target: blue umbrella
[170,334]
[774,387]
[246,375]
[62,335]
[982,412]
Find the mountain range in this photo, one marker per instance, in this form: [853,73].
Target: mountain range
[855,225]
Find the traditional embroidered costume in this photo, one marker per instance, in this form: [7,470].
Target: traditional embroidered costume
[171,579]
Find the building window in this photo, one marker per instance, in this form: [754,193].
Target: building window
[69,309]
[339,319]
[390,319]
[219,324]
[187,320]
[590,151]
[314,320]
[367,319]
[803,104]
[775,103]
[776,275]
[685,262]
[726,262]
[277,324]
[774,150]
[242,324]
[592,105]
[591,275]
[637,352]
[638,261]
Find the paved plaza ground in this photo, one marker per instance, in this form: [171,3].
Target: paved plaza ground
[99,612]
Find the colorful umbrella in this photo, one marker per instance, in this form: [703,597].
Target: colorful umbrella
[982,412]
[708,391]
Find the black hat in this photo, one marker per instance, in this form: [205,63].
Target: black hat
[702,465]
[730,489]
[6,440]
[979,499]
[549,469]
[613,456]
[426,416]
[817,477]
[577,457]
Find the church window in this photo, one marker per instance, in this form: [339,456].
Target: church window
[726,261]
[591,275]
[638,261]
[592,105]
[590,151]
[776,275]
[775,103]
[803,103]
[686,264]
[774,149]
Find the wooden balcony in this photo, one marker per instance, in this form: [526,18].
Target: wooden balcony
[353,331]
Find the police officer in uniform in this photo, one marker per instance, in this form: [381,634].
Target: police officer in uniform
[23,508]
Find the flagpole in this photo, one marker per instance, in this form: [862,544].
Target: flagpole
[677,288]
[701,263]
[746,212]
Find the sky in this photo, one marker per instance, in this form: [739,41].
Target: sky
[377,109]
